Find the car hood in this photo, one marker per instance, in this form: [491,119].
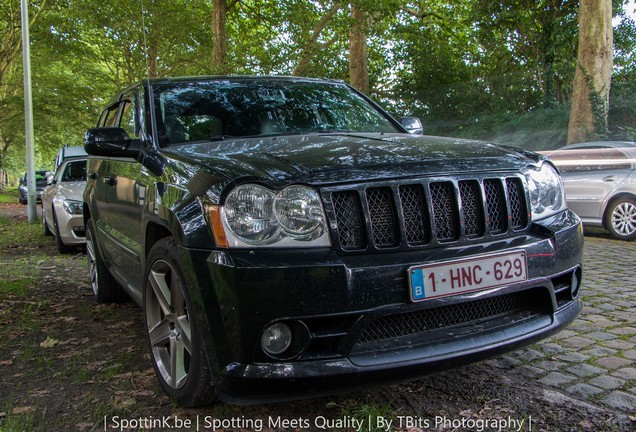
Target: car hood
[335,158]
[71,190]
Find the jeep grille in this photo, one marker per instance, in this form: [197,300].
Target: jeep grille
[425,213]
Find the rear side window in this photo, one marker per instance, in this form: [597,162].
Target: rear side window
[591,159]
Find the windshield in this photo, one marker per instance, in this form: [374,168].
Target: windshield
[214,110]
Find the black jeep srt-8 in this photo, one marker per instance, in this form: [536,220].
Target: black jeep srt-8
[288,238]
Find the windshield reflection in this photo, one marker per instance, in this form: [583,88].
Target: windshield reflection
[222,109]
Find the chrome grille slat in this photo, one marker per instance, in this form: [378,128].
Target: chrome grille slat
[425,213]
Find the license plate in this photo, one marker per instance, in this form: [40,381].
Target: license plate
[449,278]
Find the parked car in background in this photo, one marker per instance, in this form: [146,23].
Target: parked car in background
[600,184]
[287,238]
[62,204]
[40,184]
[68,152]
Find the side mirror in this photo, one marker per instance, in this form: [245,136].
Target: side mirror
[413,125]
[50,180]
[115,142]
[111,142]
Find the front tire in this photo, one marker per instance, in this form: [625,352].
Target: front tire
[105,287]
[620,220]
[59,243]
[176,347]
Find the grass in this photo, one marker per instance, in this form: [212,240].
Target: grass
[20,234]
[375,417]
[18,419]
[9,195]
[17,278]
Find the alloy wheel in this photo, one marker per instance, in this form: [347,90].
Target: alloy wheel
[624,218]
[168,324]
[92,263]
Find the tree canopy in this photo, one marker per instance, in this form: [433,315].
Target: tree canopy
[500,71]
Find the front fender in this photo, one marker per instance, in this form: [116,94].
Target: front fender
[172,210]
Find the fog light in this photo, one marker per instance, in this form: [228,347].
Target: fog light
[276,339]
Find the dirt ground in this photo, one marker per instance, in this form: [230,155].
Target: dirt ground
[70,364]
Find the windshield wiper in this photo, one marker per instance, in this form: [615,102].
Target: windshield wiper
[331,130]
[221,137]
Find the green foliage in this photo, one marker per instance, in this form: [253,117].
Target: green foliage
[466,68]
[9,195]
[23,420]
[368,414]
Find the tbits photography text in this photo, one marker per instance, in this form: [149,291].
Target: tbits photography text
[206,423]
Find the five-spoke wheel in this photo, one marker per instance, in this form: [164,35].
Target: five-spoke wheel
[176,346]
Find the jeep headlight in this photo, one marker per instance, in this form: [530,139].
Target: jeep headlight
[72,207]
[249,212]
[546,191]
[299,211]
[254,215]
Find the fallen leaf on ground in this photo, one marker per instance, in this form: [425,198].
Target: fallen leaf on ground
[23,410]
[49,342]
[6,362]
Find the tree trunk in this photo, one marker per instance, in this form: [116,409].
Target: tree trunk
[219,37]
[153,54]
[358,59]
[591,86]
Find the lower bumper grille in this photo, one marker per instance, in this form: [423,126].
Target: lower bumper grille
[428,320]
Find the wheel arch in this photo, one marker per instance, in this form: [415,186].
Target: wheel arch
[154,232]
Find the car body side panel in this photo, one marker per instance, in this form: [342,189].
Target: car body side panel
[587,191]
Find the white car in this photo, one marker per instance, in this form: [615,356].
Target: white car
[62,205]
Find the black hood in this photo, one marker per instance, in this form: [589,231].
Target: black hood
[321,159]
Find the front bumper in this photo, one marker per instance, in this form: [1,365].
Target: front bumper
[70,226]
[23,194]
[335,302]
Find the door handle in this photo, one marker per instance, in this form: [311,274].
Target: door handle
[110,181]
[610,178]
[93,175]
